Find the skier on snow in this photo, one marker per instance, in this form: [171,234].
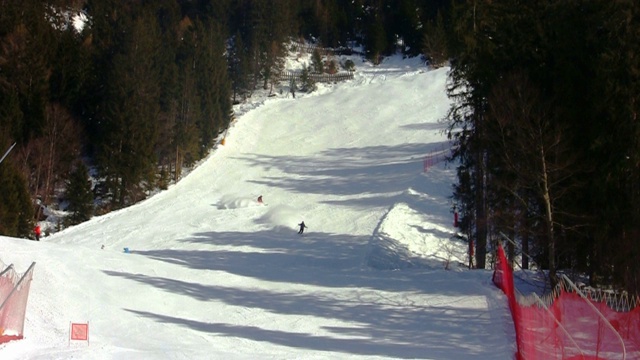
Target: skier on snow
[302,226]
[37,232]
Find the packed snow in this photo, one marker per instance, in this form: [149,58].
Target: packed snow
[212,274]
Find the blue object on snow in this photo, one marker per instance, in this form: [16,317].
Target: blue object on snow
[126,250]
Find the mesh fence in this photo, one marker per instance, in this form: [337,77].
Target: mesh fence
[571,323]
[14,292]
[436,156]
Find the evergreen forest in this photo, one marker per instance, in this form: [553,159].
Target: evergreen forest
[544,121]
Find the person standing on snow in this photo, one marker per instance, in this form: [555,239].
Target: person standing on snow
[38,232]
[260,199]
[302,226]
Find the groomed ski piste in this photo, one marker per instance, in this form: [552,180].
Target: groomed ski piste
[212,274]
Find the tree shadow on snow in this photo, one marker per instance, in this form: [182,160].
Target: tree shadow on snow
[381,328]
[389,316]
[347,171]
[380,338]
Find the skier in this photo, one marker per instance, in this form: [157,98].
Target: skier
[302,226]
[38,232]
[260,199]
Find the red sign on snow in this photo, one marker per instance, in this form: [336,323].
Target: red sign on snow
[79,332]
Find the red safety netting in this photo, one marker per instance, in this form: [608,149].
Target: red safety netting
[566,325]
[14,292]
[436,156]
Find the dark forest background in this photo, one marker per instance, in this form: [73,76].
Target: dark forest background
[544,120]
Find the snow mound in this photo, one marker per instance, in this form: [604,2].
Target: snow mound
[234,202]
[281,217]
[406,238]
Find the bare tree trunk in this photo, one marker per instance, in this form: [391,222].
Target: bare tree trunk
[51,157]
[549,220]
[511,248]
[481,215]
[525,244]
[178,164]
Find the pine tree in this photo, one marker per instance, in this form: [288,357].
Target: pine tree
[129,126]
[376,42]
[316,62]
[238,68]
[213,86]
[308,85]
[25,47]
[435,42]
[185,135]
[616,150]
[79,195]
[579,145]
[471,76]
[71,66]
[16,208]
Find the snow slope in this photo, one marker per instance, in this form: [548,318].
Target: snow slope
[211,274]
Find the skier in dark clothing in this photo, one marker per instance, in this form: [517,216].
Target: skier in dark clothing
[302,226]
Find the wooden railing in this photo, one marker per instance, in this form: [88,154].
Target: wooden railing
[324,51]
[319,78]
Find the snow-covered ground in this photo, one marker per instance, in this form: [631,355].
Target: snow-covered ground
[211,274]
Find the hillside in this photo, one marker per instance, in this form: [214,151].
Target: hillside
[212,274]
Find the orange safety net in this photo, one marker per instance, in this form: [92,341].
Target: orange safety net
[565,325]
[14,292]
